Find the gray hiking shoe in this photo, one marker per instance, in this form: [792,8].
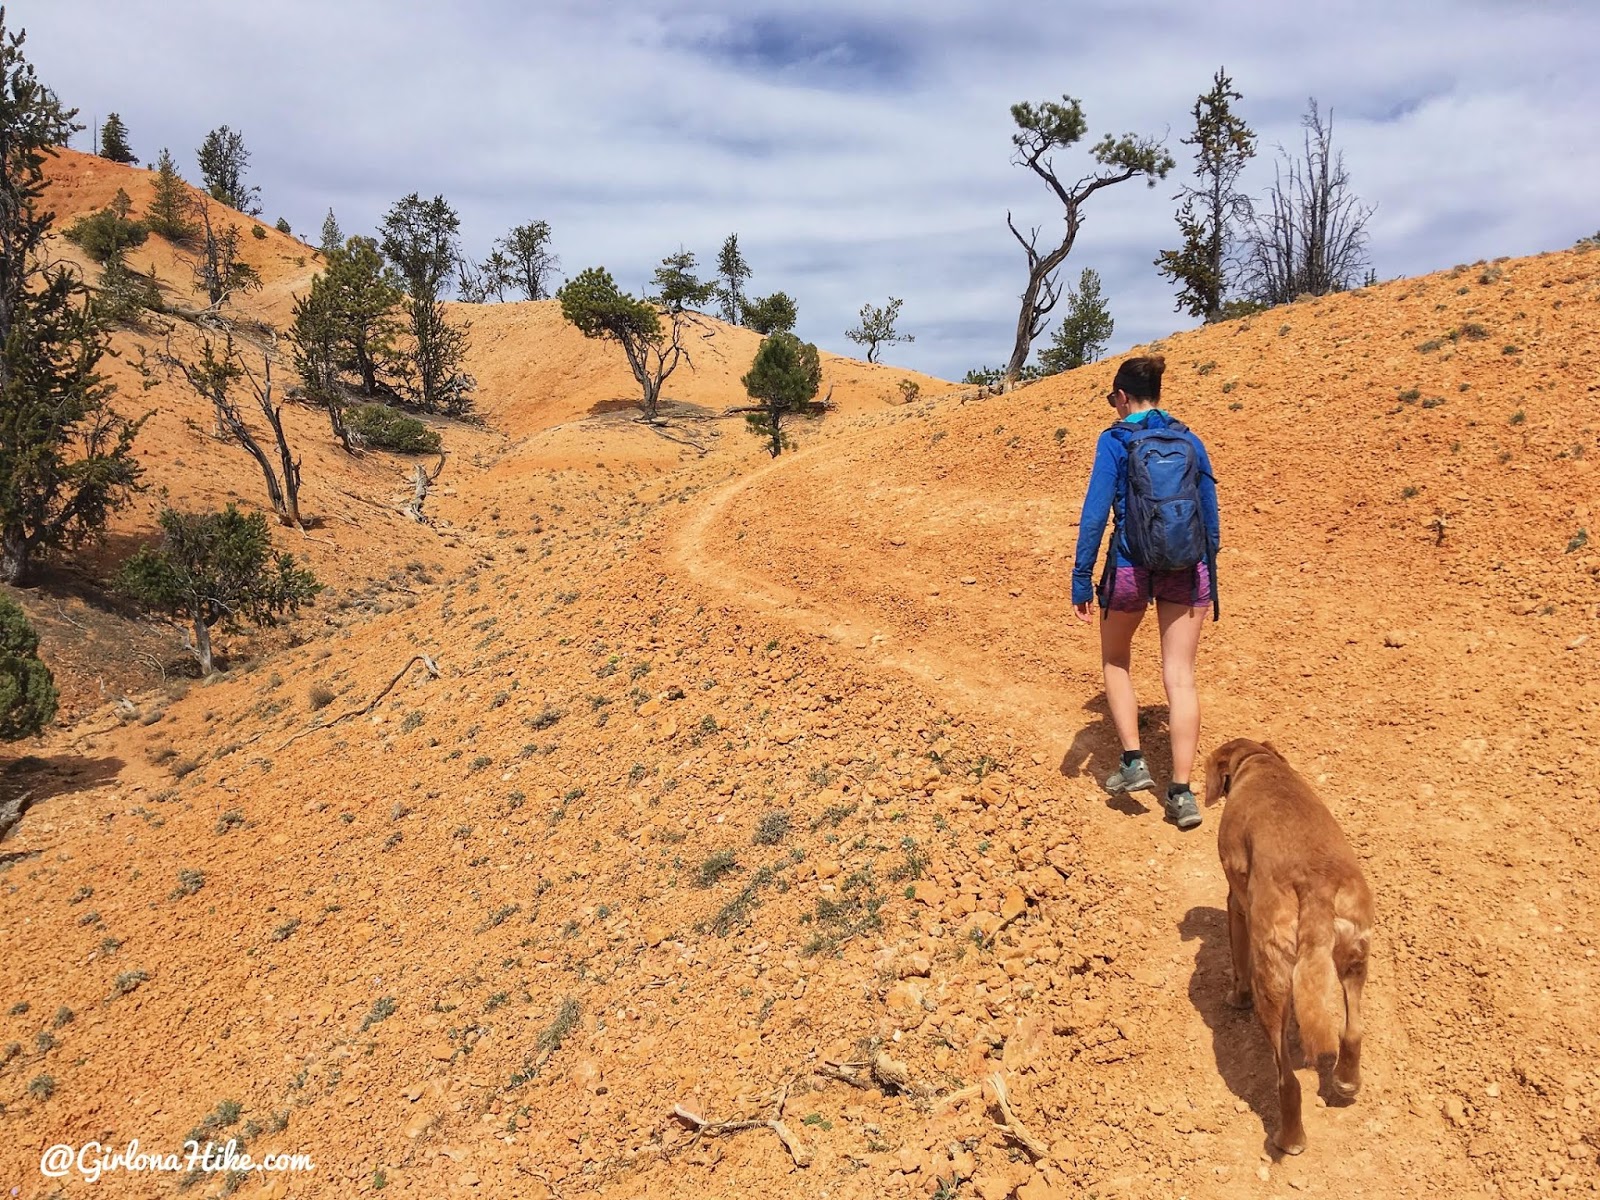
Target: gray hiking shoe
[1182,811]
[1131,777]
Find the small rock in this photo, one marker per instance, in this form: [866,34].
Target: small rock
[916,964]
[443,1051]
[1395,638]
[969,580]
[1577,641]
[1014,904]
[1454,1110]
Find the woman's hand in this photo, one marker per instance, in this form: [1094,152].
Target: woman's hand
[1085,611]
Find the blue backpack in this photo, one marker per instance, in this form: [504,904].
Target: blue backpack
[1162,519]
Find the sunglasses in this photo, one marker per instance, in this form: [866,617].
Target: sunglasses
[1112,398]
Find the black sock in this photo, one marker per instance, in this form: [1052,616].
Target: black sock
[1129,757]
[1173,789]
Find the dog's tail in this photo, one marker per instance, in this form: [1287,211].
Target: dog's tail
[1318,998]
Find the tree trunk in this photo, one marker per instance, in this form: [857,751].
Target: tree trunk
[14,554]
[202,646]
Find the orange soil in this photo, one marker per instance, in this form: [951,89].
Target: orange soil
[649,641]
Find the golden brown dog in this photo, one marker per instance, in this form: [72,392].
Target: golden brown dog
[1299,918]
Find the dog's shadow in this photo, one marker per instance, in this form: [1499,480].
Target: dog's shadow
[1239,1044]
[1244,1059]
[1096,751]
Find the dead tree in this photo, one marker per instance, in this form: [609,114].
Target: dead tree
[420,482]
[214,378]
[1310,235]
[1041,130]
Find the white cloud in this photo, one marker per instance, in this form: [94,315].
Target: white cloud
[859,151]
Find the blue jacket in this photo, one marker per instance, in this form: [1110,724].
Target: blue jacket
[1108,485]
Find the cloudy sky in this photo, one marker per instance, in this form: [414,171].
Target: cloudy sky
[859,150]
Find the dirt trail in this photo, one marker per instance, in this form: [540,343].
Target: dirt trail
[1214,1066]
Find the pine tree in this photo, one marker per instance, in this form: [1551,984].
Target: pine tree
[1223,145]
[532,264]
[332,237]
[223,160]
[784,377]
[776,313]
[592,301]
[1084,330]
[732,270]
[419,238]
[347,322]
[216,568]
[114,141]
[66,460]
[168,213]
[677,286]
[1043,129]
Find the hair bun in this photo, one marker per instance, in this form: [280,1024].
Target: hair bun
[1158,362]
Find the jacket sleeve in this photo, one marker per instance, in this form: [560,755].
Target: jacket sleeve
[1096,510]
[1208,500]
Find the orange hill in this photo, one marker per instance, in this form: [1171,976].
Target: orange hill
[741,778]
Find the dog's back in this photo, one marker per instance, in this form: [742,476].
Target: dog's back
[1298,896]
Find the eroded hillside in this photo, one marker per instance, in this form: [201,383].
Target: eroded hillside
[768,788]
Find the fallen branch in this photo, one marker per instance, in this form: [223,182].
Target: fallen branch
[11,856]
[432,668]
[797,1149]
[11,811]
[994,1091]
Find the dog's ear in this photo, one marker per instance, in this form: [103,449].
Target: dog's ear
[1273,749]
[1219,773]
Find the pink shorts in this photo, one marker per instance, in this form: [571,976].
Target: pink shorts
[1133,588]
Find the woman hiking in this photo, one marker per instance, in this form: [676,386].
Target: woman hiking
[1155,476]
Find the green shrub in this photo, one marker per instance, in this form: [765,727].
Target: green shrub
[109,233]
[27,690]
[382,428]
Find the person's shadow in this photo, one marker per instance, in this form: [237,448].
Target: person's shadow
[1096,751]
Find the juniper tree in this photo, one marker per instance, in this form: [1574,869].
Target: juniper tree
[420,239]
[66,458]
[1223,144]
[216,568]
[532,265]
[114,141]
[170,207]
[877,328]
[592,301]
[1083,332]
[732,271]
[1041,131]
[223,160]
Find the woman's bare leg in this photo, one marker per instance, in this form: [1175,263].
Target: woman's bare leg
[1181,625]
[1116,652]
